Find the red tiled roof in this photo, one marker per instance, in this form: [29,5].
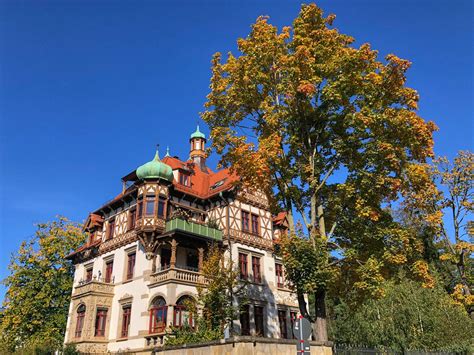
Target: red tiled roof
[96,220]
[84,247]
[203,184]
[279,218]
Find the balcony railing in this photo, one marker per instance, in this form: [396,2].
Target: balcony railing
[178,274]
[94,286]
[192,227]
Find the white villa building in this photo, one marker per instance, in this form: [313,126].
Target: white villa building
[146,247]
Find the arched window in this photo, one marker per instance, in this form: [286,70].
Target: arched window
[182,314]
[81,313]
[158,312]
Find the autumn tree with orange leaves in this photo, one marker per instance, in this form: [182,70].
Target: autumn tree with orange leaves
[330,132]
[441,203]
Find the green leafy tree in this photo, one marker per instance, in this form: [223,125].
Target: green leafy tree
[329,132]
[408,317]
[215,307]
[441,205]
[39,288]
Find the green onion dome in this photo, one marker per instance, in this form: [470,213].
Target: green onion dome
[198,134]
[155,169]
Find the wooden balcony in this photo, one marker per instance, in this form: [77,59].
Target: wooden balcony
[180,224]
[180,275]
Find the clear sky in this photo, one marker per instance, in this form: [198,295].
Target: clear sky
[87,88]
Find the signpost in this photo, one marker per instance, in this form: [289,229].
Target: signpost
[302,331]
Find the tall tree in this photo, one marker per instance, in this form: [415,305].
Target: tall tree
[443,205]
[39,287]
[222,285]
[328,131]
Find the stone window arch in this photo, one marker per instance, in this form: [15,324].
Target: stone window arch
[183,312]
[80,316]
[158,313]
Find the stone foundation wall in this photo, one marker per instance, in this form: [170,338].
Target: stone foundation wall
[242,346]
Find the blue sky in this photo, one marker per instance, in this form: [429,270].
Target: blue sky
[87,88]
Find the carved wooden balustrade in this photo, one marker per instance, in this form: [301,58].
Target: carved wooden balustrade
[249,238]
[118,241]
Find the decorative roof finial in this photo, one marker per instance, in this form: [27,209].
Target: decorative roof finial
[167,151]
[198,133]
[157,154]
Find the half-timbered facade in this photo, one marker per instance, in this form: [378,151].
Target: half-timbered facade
[142,261]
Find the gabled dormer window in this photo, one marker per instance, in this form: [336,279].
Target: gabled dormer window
[184,179]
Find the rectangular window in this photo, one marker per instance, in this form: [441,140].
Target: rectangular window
[256,269]
[130,265]
[111,230]
[132,217]
[81,314]
[245,221]
[282,322]
[161,207]
[244,320]
[100,321]
[184,179]
[243,266]
[89,274]
[293,318]
[279,274]
[140,207]
[126,315]
[109,267]
[255,224]
[258,315]
[150,205]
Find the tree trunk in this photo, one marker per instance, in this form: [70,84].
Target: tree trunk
[320,323]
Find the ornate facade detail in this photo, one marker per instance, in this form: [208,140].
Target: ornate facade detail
[118,241]
[93,287]
[150,242]
[151,223]
[250,239]
[255,198]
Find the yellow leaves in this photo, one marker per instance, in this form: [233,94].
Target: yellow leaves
[464,246]
[370,278]
[306,88]
[396,61]
[461,297]
[396,259]
[421,270]
[374,78]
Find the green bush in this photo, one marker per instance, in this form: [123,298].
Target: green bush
[188,335]
[409,317]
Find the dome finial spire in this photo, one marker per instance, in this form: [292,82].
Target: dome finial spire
[157,154]
[197,133]
[155,169]
[167,151]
